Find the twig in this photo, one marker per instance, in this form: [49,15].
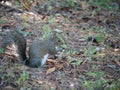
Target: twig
[117,62]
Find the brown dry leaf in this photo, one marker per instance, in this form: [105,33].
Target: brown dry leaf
[83,5]
[50,70]
[38,81]
[25,4]
[59,66]
[8,88]
[21,66]
[53,61]
[25,16]
[118,63]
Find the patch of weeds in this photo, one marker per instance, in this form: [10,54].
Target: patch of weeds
[95,41]
[103,4]
[96,38]
[23,79]
[17,4]
[60,37]
[90,51]
[113,86]
[46,30]
[10,76]
[96,75]
[96,29]
[75,62]
[48,5]
[25,25]
[100,83]
[100,37]
[61,3]
[7,75]
[97,83]
[3,20]
[72,52]
[64,46]
[93,52]
[51,20]
[71,60]
[23,32]
[70,3]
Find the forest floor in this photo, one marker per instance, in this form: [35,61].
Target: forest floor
[90,60]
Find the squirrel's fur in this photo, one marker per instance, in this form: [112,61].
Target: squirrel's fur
[38,51]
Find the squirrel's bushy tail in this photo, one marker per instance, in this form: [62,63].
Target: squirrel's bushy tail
[20,41]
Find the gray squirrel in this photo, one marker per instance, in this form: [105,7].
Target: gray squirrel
[38,51]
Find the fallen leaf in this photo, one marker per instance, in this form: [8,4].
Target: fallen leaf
[8,88]
[59,66]
[50,70]
[39,81]
[52,61]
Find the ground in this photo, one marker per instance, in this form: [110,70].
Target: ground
[91,40]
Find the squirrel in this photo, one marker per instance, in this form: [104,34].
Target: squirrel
[38,51]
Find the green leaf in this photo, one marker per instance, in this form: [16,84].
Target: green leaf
[99,74]
[3,20]
[24,33]
[52,20]
[90,51]
[72,52]
[64,46]
[70,60]
[78,62]
[91,74]
[25,24]
[100,37]
[46,30]
[60,38]
[1,50]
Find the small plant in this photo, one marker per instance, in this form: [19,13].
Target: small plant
[23,32]
[70,3]
[97,83]
[100,37]
[46,30]
[60,38]
[23,78]
[90,51]
[103,4]
[72,52]
[3,20]
[1,50]
[75,62]
[62,3]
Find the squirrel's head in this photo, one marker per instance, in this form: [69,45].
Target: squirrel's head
[56,38]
